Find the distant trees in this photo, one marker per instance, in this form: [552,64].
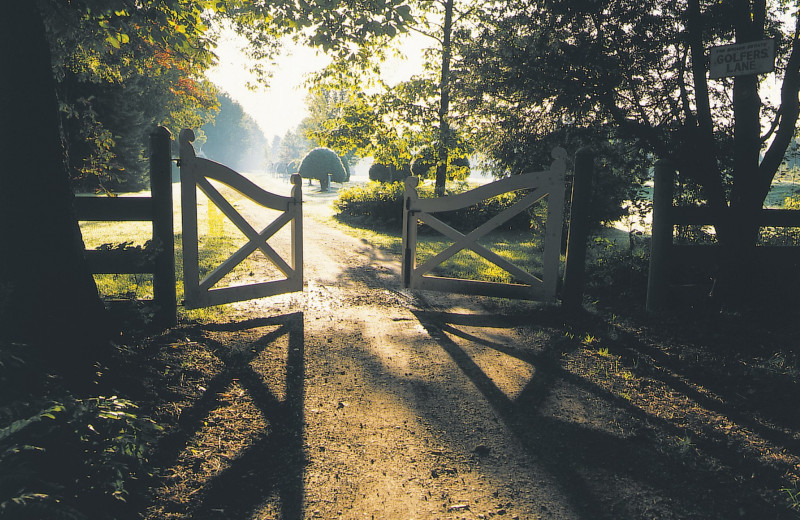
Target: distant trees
[396,122]
[233,138]
[293,146]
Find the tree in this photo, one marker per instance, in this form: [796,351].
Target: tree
[411,114]
[115,80]
[234,138]
[426,165]
[320,163]
[46,292]
[637,76]
[293,148]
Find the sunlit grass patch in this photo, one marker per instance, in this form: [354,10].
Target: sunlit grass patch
[519,248]
[218,239]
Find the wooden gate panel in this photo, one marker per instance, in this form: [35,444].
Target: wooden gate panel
[195,173]
[549,183]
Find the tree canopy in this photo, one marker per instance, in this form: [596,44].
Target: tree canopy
[636,76]
[169,43]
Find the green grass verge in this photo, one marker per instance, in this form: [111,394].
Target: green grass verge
[522,248]
[222,239]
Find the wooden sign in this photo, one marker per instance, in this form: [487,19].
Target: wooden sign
[741,59]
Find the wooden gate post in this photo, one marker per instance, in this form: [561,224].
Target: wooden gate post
[164,294]
[409,230]
[661,241]
[575,265]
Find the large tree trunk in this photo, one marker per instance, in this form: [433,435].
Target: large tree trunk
[48,297]
[444,102]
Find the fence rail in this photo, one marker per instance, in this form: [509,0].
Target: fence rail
[665,255]
[159,259]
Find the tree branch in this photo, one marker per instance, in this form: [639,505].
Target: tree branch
[788,113]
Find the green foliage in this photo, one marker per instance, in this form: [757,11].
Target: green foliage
[388,173]
[120,72]
[346,165]
[616,273]
[382,203]
[379,202]
[426,160]
[601,74]
[72,458]
[321,162]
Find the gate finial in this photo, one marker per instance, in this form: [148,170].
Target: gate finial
[186,138]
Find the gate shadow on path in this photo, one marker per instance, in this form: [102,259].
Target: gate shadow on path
[579,457]
[271,466]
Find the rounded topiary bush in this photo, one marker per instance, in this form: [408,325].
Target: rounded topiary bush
[388,173]
[346,168]
[321,162]
[423,164]
[380,172]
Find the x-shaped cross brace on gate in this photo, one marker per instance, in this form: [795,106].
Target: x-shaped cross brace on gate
[255,240]
[469,241]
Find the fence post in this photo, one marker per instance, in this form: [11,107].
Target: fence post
[661,241]
[409,230]
[164,294]
[575,265]
[297,230]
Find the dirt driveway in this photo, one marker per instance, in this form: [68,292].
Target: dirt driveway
[355,400]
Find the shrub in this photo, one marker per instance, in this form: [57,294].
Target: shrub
[615,274]
[321,162]
[74,458]
[423,164]
[388,173]
[382,204]
[346,166]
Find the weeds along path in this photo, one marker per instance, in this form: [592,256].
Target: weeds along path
[355,400]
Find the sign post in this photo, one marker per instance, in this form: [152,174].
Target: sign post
[740,59]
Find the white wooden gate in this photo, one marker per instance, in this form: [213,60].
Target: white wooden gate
[195,172]
[549,183]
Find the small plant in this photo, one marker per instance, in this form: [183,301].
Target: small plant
[72,458]
[685,445]
[588,339]
[792,496]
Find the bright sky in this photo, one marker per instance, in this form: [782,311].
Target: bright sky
[281,107]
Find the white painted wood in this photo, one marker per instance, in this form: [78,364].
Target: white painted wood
[548,183]
[195,173]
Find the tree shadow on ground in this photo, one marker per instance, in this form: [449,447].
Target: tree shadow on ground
[712,478]
[270,467]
